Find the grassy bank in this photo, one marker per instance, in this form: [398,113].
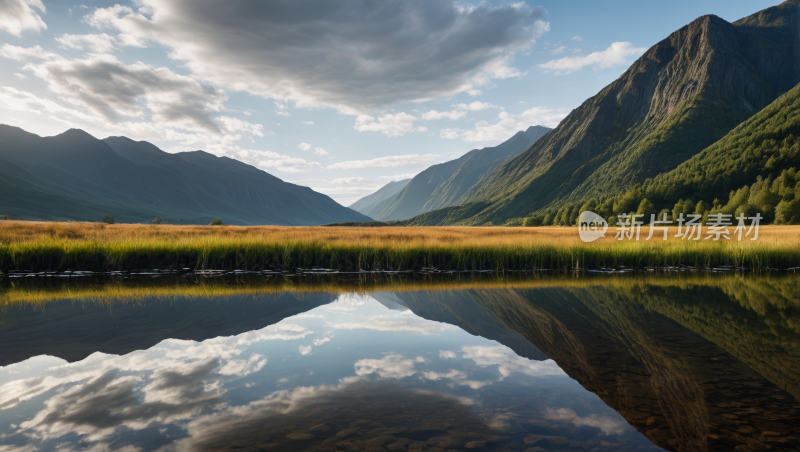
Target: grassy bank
[88,246]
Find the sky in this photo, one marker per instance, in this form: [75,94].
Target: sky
[342,96]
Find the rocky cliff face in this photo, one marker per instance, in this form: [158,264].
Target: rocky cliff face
[682,95]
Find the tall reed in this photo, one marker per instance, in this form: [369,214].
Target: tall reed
[48,246]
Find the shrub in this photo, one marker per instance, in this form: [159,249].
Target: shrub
[215,222]
[108,219]
[156,220]
[533,221]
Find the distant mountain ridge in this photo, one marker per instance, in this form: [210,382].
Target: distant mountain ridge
[685,93]
[451,183]
[373,204]
[74,176]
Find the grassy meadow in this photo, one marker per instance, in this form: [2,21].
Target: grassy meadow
[41,246]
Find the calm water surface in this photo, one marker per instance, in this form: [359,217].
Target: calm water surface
[564,364]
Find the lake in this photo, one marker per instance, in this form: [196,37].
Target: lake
[170,361]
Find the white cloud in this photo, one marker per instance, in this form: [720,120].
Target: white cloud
[280,106]
[17,16]
[14,99]
[304,350]
[558,50]
[357,58]
[347,302]
[474,92]
[19,76]
[449,134]
[97,43]
[476,106]
[447,354]
[457,378]
[347,190]
[577,38]
[284,163]
[319,342]
[242,367]
[310,123]
[415,325]
[352,182]
[388,124]
[110,88]
[304,146]
[507,125]
[284,113]
[606,424]
[508,362]
[451,115]
[390,366]
[230,124]
[388,161]
[320,151]
[616,55]
[398,177]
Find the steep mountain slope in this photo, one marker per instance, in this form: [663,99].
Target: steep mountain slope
[374,203]
[682,95]
[450,183]
[753,169]
[136,181]
[23,199]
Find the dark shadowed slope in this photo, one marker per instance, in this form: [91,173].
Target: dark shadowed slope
[682,95]
[450,183]
[376,202]
[85,178]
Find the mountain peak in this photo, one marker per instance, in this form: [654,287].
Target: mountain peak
[76,138]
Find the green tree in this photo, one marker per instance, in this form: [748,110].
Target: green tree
[646,208]
[702,207]
[108,219]
[156,220]
[787,212]
[535,220]
[215,222]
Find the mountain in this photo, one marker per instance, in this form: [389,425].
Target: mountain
[376,202]
[449,183]
[76,176]
[685,93]
[122,327]
[674,362]
[754,167]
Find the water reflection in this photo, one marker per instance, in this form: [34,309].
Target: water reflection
[630,365]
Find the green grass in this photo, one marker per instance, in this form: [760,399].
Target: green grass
[231,253]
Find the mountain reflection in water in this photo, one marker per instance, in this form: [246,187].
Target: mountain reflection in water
[550,364]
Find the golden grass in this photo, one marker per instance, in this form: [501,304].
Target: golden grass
[60,246]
